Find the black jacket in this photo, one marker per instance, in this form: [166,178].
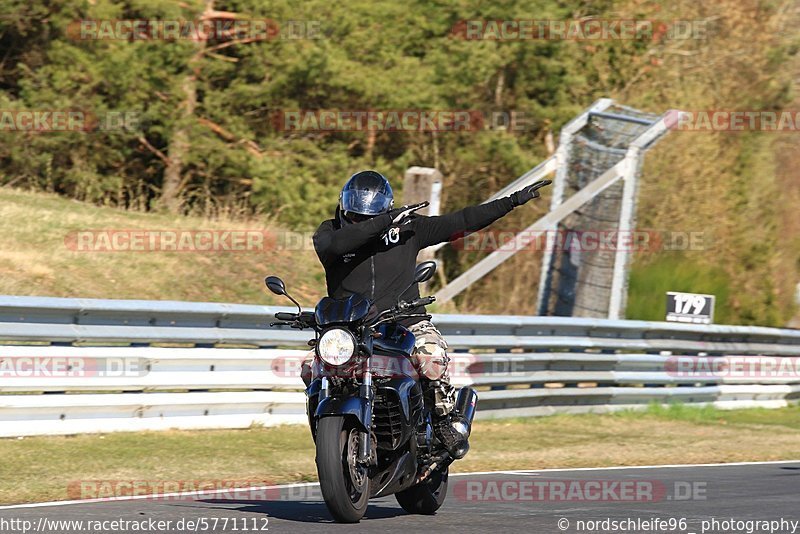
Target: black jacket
[376,258]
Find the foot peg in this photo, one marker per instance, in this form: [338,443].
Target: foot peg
[454,430]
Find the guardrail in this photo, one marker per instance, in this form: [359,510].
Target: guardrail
[88,365]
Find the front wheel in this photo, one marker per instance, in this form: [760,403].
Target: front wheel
[343,481]
[427,497]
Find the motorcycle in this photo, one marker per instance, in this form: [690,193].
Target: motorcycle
[370,421]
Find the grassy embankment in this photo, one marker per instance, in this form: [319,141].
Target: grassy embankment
[37,256]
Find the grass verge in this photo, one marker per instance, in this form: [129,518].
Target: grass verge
[42,468]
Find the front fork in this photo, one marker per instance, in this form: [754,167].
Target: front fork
[366,392]
[360,407]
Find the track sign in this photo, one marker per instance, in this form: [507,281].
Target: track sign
[690,308]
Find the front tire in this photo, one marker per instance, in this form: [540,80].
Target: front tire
[344,483]
[427,497]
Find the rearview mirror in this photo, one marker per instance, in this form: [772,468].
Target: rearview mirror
[275,285]
[424,271]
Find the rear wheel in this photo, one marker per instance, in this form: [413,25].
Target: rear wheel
[343,481]
[427,497]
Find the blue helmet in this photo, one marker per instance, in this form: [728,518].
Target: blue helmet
[366,193]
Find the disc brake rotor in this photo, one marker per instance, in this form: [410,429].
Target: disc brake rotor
[358,472]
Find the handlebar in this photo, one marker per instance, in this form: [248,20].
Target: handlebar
[401,310]
[295,320]
[416,303]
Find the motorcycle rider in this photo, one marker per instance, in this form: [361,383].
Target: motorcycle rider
[370,248]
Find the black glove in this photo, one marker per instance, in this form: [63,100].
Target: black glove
[398,215]
[528,193]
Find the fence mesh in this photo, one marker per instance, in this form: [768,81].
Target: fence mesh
[580,273]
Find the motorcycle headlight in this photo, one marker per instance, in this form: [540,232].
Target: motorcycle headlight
[336,346]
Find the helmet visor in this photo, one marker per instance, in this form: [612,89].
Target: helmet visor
[365,202]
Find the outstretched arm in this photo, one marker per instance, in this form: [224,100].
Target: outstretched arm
[452,226]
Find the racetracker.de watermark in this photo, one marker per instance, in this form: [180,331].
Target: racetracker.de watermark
[733,121]
[23,367]
[579,30]
[490,240]
[196,241]
[193,30]
[531,489]
[732,367]
[399,120]
[459,365]
[173,489]
[66,120]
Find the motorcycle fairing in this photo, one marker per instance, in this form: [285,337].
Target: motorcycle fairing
[345,310]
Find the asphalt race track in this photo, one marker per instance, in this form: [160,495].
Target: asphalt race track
[661,499]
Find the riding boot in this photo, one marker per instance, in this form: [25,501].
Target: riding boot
[449,425]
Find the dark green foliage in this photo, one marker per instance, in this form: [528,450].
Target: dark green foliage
[379,55]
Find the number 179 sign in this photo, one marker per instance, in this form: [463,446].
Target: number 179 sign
[690,308]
